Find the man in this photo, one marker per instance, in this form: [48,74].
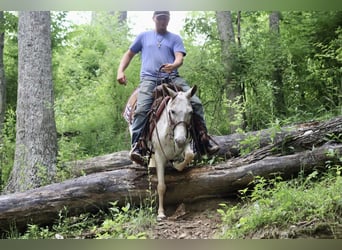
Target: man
[160,49]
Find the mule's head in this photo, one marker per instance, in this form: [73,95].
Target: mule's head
[179,113]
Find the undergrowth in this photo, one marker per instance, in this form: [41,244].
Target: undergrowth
[277,204]
[119,222]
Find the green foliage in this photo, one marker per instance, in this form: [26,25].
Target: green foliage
[306,84]
[88,98]
[10,58]
[202,67]
[36,232]
[249,144]
[305,56]
[7,147]
[277,204]
[126,222]
[59,30]
[65,227]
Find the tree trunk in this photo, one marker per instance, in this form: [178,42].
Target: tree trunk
[131,184]
[122,181]
[277,76]
[227,38]
[36,136]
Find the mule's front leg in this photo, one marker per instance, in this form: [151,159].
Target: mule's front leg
[161,191]
[161,187]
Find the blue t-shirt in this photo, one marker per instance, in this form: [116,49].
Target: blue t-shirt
[156,49]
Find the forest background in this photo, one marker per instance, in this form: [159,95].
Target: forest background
[254,70]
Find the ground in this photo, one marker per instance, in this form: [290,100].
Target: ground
[198,220]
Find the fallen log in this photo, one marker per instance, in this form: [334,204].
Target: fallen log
[131,184]
[286,140]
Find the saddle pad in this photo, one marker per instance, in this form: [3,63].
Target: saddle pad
[130,107]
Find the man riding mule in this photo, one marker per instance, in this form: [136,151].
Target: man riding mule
[160,47]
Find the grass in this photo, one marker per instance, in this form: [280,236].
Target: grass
[276,205]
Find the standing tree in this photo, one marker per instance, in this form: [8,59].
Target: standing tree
[227,38]
[36,136]
[279,99]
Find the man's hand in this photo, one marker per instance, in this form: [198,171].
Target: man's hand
[167,68]
[121,78]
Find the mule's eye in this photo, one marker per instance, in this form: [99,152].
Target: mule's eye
[173,112]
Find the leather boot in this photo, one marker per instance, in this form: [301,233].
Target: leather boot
[136,155]
[201,137]
[209,148]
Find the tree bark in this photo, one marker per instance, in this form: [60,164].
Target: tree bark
[131,184]
[277,75]
[227,39]
[36,135]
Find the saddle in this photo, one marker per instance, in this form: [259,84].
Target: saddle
[157,109]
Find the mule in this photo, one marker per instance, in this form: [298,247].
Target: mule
[170,141]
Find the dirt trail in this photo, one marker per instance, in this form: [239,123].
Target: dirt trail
[198,220]
[201,220]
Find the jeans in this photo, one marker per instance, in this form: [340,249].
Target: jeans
[145,100]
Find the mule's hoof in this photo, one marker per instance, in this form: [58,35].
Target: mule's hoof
[179,167]
[161,217]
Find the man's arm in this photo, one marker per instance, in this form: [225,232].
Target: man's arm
[168,68]
[125,61]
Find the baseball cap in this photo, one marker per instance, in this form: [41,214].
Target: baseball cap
[161,13]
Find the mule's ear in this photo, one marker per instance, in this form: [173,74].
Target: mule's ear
[169,91]
[193,90]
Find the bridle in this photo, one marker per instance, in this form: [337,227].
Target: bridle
[174,124]
[171,123]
